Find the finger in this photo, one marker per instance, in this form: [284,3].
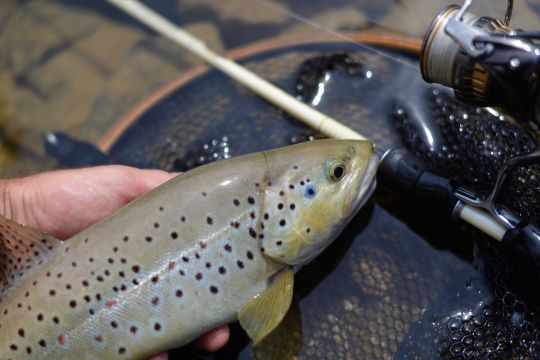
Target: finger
[214,339]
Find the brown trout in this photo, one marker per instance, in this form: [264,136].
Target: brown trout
[214,245]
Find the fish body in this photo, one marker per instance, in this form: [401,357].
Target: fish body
[182,259]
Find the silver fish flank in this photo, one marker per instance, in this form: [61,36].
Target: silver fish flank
[211,246]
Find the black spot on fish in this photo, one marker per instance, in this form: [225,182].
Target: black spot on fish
[240,264]
[52,292]
[42,343]
[68,286]
[252,214]
[72,304]
[85,283]
[213,289]
[91,259]
[266,216]
[282,193]
[252,233]
[155,279]
[40,317]
[279,243]
[222,270]
[209,220]
[302,183]
[227,248]
[251,200]
[126,238]
[114,324]
[157,326]
[98,297]
[56,320]
[236,202]
[198,276]
[148,239]
[111,261]
[161,208]
[291,186]
[133,330]
[174,235]
[179,293]
[13,347]
[292,206]
[87,298]
[135,268]
[249,255]
[282,222]
[208,265]
[182,218]
[203,193]
[121,350]
[185,259]
[308,230]
[156,225]
[21,332]
[295,167]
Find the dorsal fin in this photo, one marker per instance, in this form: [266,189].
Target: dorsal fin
[22,248]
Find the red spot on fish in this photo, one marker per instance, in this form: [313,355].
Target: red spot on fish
[202,244]
[61,339]
[110,303]
[171,266]
[99,338]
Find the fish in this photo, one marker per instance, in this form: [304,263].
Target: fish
[214,245]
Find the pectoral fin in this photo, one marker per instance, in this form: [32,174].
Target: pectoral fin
[266,310]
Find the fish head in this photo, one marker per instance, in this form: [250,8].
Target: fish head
[315,191]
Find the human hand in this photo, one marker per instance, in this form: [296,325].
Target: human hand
[62,203]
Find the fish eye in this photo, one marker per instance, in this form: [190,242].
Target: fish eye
[336,169]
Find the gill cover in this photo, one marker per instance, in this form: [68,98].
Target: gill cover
[309,205]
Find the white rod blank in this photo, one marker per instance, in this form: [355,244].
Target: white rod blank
[315,119]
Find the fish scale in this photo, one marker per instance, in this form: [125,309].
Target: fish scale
[174,263]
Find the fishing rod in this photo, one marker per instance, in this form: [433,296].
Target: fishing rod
[397,166]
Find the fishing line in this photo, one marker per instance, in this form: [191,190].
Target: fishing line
[293,15]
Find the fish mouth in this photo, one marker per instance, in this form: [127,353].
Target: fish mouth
[365,188]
